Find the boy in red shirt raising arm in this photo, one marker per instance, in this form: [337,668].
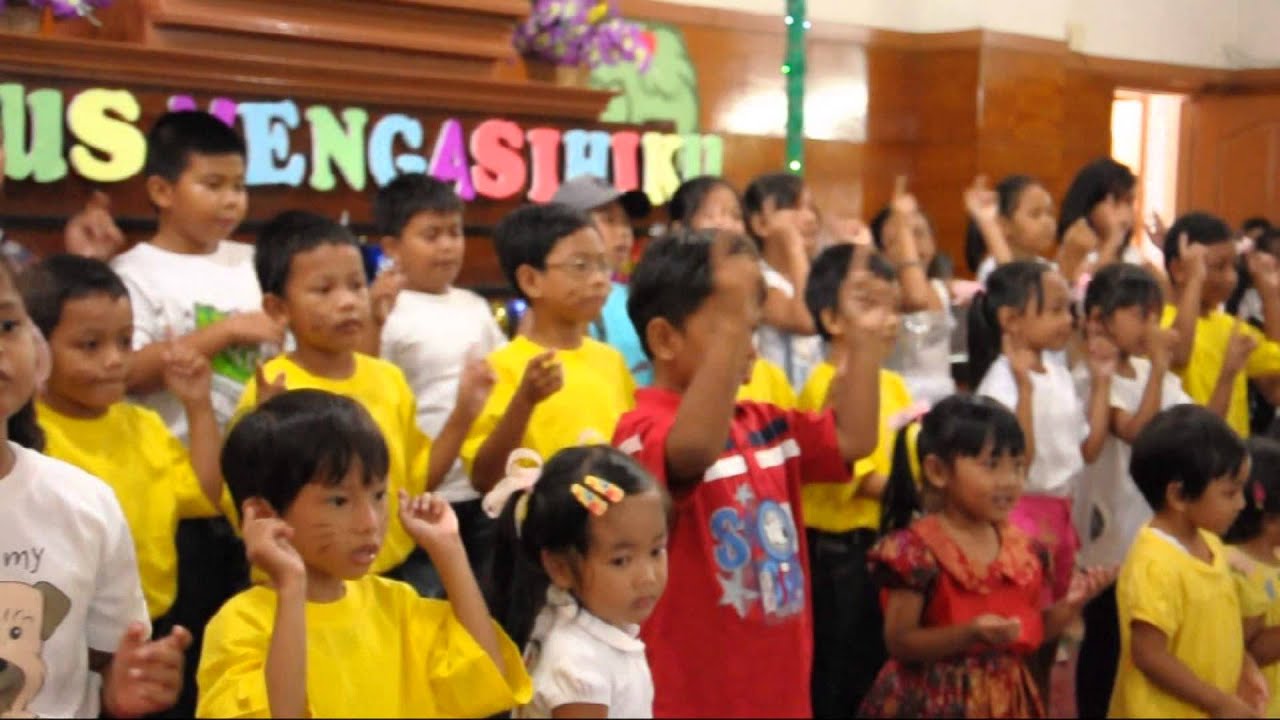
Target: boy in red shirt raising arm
[735,639]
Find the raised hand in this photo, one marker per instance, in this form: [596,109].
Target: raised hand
[1103,357]
[870,321]
[187,374]
[429,520]
[981,202]
[1022,359]
[383,292]
[736,278]
[543,377]
[268,389]
[144,676]
[1240,346]
[92,232]
[1156,229]
[995,629]
[266,543]
[1263,270]
[1081,235]
[1159,343]
[1192,257]
[255,328]
[475,384]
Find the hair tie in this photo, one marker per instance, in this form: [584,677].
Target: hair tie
[596,494]
[524,467]
[1259,495]
[908,415]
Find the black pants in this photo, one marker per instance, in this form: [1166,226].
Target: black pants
[848,625]
[1099,655]
[477,532]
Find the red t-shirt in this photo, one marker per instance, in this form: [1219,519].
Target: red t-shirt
[732,635]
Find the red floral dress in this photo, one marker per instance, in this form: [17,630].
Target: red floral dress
[983,681]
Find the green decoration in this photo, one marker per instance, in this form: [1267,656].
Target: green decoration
[795,68]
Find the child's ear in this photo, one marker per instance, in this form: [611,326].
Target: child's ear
[529,280]
[275,308]
[935,472]
[758,224]
[160,191]
[259,505]
[665,340]
[1008,319]
[1174,498]
[830,321]
[1174,267]
[558,568]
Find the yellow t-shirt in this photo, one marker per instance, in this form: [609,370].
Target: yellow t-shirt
[1259,585]
[1200,376]
[836,507]
[381,388]
[768,384]
[131,449]
[597,390]
[380,651]
[1195,604]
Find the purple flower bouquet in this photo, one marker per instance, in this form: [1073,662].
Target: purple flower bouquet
[583,32]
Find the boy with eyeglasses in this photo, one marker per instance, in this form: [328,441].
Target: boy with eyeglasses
[555,386]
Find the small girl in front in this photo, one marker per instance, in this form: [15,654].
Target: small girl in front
[962,586]
[581,562]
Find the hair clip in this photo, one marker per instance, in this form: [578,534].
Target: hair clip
[594,504]
[1259,495]
[604,488]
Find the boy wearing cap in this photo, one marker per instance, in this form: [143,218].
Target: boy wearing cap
[611,211]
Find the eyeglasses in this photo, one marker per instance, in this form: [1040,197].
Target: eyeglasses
[583,268]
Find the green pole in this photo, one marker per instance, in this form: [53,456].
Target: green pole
[795,68]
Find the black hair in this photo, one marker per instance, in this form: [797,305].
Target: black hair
[1185,444]
[958,426]
[553,521]
[690,196]
[784,188]
[1261,492]
[1101,179]
[1012,285]
[939,266]
[22,426]
[288,235]
[300,437]
[1121,285]
[1255,223]
[49,284]
[527,236]
[673,278]
[1008,195]
[827,275]
[396,204]
[1199,227]
[176,136]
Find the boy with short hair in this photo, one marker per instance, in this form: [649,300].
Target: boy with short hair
[435,329]
[842,520]
[1215,353]
[313,282]
[83,309]
[189,283]
[327,639]
[612,211]
[556,387]
[1186,634]
[735,471]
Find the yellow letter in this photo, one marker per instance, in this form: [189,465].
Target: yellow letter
[111,147]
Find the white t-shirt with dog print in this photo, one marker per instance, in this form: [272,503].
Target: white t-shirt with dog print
[68,584]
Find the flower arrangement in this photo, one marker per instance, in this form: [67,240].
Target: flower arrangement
[63,9]
[583,32]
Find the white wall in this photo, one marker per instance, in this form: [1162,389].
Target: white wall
[1208,33]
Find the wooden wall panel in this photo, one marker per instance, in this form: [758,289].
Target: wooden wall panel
[1231,157]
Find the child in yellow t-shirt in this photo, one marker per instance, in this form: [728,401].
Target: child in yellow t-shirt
[555,387]
[83,308]
[842,520]
[768,384]
[313,280]
[1188,640]
[308,470]
[1216,353]
[1255,540]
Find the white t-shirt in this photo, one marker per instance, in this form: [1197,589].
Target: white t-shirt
[175,294]
[797,355]
[1109,509]
[428,337]
[575,657]
[1058,422]
[922,355]
[68,583]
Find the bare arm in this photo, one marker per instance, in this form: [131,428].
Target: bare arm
[205,441]
[1099,415]
[491,458]
[446,446]
[908,641]
[1025,414]
[464,595]
[286,667]
[1127,425]
[1263,642]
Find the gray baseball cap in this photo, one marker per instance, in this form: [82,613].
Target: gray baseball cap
[588,192]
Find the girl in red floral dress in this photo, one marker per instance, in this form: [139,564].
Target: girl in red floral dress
[961,587]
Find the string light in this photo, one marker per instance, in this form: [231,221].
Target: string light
[795,69]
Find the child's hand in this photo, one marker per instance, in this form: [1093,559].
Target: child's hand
[268,389]
[1159,342]
[145,676]
[187,374]
[92,232]
[1239,347]
[1232,706]
[1087,583]
[1081,235]
[1156,230]
[1103,357]
[1192,257]
[736,279]
[543,377]
[1022,359]
[995,630]
[429,520]
[1264,271]
[1252,688]
[266,543]
[475,384]
[899,243]
[871,324]
[383,292]
[981,202]
[255,328]
[783,225]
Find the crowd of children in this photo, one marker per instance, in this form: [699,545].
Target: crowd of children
[732,479]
